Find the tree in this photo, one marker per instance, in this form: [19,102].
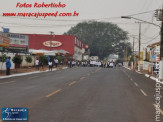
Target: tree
[102,38]
[43,59]
[28,59]
[3,58]
[17,59]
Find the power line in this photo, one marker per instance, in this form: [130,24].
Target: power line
[151,40]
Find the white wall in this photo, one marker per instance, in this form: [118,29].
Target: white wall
[24,63]
[4,64]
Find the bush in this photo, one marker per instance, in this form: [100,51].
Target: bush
[17,59]
[28,59]
[43,59]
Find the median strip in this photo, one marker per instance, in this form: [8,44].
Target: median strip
[143,92]
[53,93]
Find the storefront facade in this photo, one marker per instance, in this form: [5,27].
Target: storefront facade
[71,44]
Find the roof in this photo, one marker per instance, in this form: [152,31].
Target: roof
[154,45]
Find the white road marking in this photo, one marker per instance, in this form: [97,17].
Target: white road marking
[143,92]
[147,75]
[158,108]
[8,82]
[72,83]
[153,78]
[33,77]
[131,79]
[82,78]
[135,84]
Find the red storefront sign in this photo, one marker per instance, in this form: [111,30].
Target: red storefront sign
[52,43]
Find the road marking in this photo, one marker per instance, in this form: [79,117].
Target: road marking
[33,77]
[82,78]
[70,84]
[8,82]
[143,92]
[131,79]
[53,93]
[147,75]
[88,74]
[135,84]
[158,108]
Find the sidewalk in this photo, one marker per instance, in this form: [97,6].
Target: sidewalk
[145,73]
[22,72]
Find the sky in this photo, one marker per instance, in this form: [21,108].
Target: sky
[99,10]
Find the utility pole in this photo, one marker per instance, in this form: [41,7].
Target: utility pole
[161,41]
[161,49]
[139,45]
[133,53]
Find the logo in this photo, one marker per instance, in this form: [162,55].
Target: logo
[14,114]
[52,43]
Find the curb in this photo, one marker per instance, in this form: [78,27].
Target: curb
[29,73]
[148,76]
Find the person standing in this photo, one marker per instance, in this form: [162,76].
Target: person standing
[50,63]
[56,62]
[8,65]
[37,64]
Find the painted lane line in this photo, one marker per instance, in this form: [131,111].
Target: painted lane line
[33,77]
[7,82]
[143,92]
[82,78]
[53,93]
[72,83]
[147,75]
[135,84]
[88,74]
[153,78]
[138,72]
[158,108]
[131,79]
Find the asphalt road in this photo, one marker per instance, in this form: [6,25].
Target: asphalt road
[84,94]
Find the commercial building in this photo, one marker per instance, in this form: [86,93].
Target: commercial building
[67,44]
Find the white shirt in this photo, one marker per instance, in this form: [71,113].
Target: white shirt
[37,62]
[50,63]
[56,60]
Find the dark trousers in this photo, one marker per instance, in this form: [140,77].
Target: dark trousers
[8,71]
[50,68]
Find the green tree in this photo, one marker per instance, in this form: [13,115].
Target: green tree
[103,38]
[3,58]
[17,59]
[43,59]
[28,59]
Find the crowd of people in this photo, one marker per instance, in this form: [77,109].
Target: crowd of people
[91,63]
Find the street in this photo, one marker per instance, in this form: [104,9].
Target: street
[83,94]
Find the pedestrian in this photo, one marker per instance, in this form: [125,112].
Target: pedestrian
[56,62]
[8,65]
[69,63]
[50,63]
[37,64]
[42,65]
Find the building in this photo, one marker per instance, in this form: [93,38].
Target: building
[64,43]
[154,50]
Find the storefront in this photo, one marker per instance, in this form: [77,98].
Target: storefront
[14,43]
[67,44]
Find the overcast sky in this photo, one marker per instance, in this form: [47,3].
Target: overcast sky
[101,10]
